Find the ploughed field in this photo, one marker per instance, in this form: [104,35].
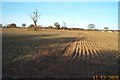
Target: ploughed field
[59,53]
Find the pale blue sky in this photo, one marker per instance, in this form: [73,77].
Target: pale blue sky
[75,14]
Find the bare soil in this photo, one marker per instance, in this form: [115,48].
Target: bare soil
[59,53]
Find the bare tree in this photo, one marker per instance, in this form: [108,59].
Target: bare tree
[64,25]
[35,17]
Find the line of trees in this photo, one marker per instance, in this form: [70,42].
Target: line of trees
[57,26]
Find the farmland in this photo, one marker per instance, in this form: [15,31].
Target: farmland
[58,53]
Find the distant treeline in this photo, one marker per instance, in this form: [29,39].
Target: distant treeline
[13,25]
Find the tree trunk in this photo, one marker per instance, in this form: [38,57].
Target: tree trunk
[35,27]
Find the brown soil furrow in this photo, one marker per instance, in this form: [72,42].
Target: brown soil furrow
[68,52]
[102,54]
[89,43]
[108,55]
[116,54]
[90,54]
[75,57]
[73,54]
[81,56]
[94,52]
[84,42]
[80,51]
[87,54]
[84,55]
[65,49]
[96,56]
[80,42]
[98,53]
[85,51]
[65,52]
[93,46]
[104,57]
[111,55]
[70,49]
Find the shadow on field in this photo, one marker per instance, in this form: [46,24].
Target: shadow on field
[52,67]
[26,59]
[33,40]
[25,37]
[15,48]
